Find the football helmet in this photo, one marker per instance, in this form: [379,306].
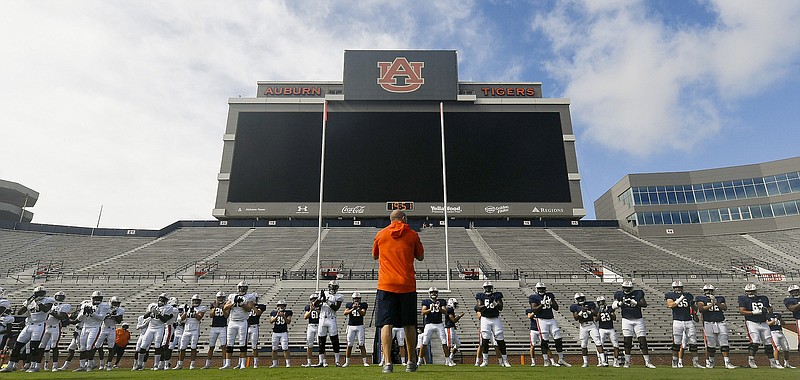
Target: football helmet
[241,288]
[794,291]
[281,305]
[488,288]
[356,297]
[580,298]
[601,301]
[677,286]
[708,289]
[627,287]
[452,303]
[313,296]
[333,286]
[173,301]
[39,292]
[114,301]
[163,299]
[220,296]
[125,325]
[751,290]
[97,297]
[60,296]
[541,288]
[433,293]
[196,300]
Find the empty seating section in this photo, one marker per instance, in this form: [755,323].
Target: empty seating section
[272,248]
[531,250]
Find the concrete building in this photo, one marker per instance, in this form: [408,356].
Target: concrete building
[14,198]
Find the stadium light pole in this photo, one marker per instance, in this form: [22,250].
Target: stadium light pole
[321,183]
[444,189]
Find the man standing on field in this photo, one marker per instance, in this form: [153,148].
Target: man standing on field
[395,247]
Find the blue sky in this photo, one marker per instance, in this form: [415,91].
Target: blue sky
[123,104]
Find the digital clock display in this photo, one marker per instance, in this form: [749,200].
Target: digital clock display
[405,206]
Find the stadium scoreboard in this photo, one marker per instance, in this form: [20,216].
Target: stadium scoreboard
[509,152]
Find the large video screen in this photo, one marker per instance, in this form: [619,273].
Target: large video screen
[394,156]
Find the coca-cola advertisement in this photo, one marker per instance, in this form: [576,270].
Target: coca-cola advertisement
[354,209]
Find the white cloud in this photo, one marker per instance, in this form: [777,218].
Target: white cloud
[641,86]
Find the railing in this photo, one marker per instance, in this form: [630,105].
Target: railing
[424,275]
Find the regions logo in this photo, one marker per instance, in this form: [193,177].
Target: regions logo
[401,68]
[547,210]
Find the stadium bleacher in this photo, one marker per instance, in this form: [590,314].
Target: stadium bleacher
[137,269]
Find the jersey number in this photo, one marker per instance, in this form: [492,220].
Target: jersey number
[683,303]
[218,312]
[758,306]
[280,320]
[605,317]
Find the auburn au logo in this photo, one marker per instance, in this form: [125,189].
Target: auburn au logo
[401,68]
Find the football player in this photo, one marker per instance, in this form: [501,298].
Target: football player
[399,334]
[584,312]
[173,332]
[92,313]
[280,318]
[433,309]
[775,323]
[793,304]
[715,328]
[543,303]
[219,328]
[490,304]
[252,327]
[108,331]
[535,339]
[755,309]
[76,335]
[142,323]
[329,302]
[631,302]
[238,307]
[191,318]
[37,306]
[311,313]
[52,330]
[6,319]
[681,302]
[355,311]
[156,328]
[605,318]
[450,321]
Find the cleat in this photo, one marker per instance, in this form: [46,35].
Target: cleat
[752,363]
[34,369]
[227,366]
[506,364]
[388,368]
[626,365]
[80,369]
[346,364]
[584,365]
[484,364]
[55,369]
[366,364]
[649,365]
[411,367]
[616,364]
[787,365]
[207,366]
[306,365]
[533,364]
[8,368]
[730,366]
[773,365]
[564,363]
[338,364]
[273,366]
[697,365]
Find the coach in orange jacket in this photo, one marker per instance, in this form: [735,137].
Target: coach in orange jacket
[395,247]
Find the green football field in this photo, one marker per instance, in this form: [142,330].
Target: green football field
[426,372]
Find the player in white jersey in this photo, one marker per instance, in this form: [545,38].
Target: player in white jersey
[329,302]
[37,306]
[52,328]
[238,307]
[171,329]
[5,322]
[159,315]
[108,331]
[142,322]
[92,313]
[191,318]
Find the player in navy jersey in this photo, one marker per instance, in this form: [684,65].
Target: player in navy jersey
[450,321]
[605,318]
[535,339]
[775,323]
[793,304]
[631,302]
[355,311]
[219,328]
[490,304]
[433,311]
[543,303]
[280,318]
[584,312]
[252,327]
[681,303]
[715,329]
[311,314]
[755,309]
